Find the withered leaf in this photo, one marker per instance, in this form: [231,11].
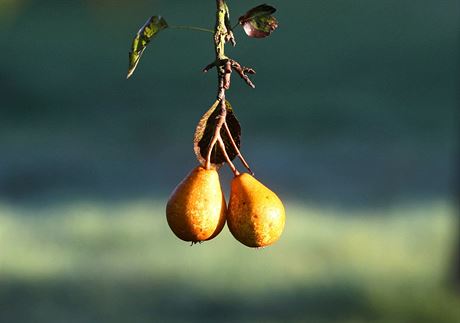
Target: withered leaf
[205,132]
[259,22]
[153,25]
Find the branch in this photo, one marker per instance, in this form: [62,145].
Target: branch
[242,70]
[216,135]
[223,34]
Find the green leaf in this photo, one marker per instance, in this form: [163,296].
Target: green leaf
[259,22]
[205,132]
[153,25]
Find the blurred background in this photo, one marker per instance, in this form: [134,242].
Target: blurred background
[353,123]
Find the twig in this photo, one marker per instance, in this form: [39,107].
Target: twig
[242,70]
[222,34]
[216,135]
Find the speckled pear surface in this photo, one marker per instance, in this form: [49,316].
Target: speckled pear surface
[196,209]
[256,215]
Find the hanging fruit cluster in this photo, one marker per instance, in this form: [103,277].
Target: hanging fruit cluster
[197,210]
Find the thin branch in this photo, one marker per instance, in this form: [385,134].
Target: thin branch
[209,66]
[227,75]
[216,135]
[242,70]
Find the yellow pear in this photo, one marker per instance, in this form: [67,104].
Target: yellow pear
[255,214]
[196,208]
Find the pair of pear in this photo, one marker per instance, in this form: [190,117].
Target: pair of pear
[196,210]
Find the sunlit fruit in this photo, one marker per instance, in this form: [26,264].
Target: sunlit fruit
[196,209]
[255,214]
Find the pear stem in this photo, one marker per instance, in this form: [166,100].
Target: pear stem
[238,152]
[229,161]
[217,138]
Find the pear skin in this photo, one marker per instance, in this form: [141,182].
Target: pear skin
[196,209]
[255,215]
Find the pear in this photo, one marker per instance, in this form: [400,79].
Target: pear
[255,214]
[196,209]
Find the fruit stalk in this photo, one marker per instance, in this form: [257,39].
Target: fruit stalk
[224,65]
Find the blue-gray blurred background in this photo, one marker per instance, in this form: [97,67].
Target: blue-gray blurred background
[354,124]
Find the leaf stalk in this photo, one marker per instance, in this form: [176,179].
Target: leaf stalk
[193,28]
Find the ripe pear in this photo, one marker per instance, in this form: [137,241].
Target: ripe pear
[196,209]
[255,214]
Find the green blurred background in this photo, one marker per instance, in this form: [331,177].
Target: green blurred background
[354,123]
